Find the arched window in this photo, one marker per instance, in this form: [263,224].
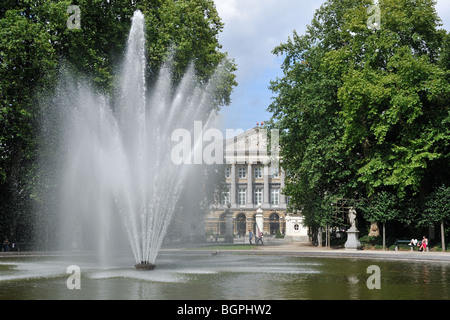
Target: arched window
[274,223]
[241,224]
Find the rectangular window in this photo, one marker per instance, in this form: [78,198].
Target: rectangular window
[242,172]
[258,198]
[258,172]
[275,197]
[242,196]
[227,172]
[275,172]
[226,198]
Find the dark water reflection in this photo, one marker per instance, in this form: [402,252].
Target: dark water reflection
[202,276]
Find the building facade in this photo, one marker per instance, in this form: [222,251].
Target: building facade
[254,181]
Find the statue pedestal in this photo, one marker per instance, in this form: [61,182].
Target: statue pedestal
[352,240]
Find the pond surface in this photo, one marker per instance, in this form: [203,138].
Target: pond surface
[226,276]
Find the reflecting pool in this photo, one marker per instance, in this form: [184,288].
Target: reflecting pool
[224,276]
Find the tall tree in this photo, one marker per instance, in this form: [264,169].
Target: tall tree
[35,41]
[437,209]
[395,95]
[364,109]
[383,207]
[305,110]
[188,30]
[27,61]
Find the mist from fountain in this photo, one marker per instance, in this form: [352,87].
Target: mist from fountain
[117,176]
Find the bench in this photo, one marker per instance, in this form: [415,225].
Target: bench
[407,242]
[23,246]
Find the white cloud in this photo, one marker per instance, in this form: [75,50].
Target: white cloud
[253,28]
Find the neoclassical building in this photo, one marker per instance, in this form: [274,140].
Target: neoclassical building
[253,181]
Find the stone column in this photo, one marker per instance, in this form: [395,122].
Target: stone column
[266,202]
[229,238]
[249,185]
[282,185]
[259,219]
[233,186]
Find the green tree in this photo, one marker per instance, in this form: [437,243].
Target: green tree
[188,30]
[437,209]
[364,110]
[35,44]
[305,110]
[395,96]
[27,60]
[383,207]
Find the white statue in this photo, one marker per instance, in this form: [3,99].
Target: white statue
[352,233]
[352,217]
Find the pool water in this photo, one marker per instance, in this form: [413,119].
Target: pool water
[226,276]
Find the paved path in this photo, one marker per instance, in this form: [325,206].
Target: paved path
[292,249]
[312,251]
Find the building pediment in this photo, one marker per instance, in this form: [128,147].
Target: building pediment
[249,146]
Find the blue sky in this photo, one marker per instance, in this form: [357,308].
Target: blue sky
[253,28]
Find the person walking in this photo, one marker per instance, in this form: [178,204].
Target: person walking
[250,236]
[260,237]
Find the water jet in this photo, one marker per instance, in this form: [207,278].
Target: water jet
[117,182]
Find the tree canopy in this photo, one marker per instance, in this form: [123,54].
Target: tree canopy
[35,41]
[364,110]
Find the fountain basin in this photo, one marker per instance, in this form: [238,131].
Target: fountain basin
[144,266]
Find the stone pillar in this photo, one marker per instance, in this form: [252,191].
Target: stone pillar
[249,185]
[266,198]
[233,186]
[259,221]
[229,238]
[282,185]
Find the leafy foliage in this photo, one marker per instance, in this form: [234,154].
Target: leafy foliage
[383,207]
[437,207]
[364,113]
[35,43]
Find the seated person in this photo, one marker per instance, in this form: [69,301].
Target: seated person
[423,245]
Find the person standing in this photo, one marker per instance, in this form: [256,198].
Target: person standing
[6,244]
[250,236]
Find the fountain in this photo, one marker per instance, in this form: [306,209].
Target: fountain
[144,265]
[117,177]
